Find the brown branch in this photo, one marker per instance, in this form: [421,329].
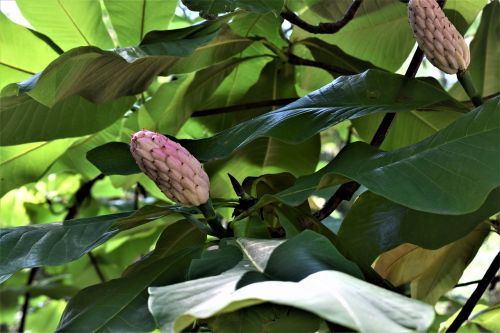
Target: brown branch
[476,295]
[80,196]
[323,28]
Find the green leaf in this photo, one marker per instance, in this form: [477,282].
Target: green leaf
[26,163]
[440,174]
[484,67]
[132,20]
[54,243]
[266,26]
[69,23]
[113,158]
[431,273]
[23,53]
[334,296]
[375,225]
[487,318]
[102,76]
[311,253]
[332,54]
[362,37]
[26,120]
[265,318]
[348,97]
[121,304]
[214,7]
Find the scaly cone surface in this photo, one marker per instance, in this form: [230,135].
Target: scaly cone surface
[177,173]
[442,44]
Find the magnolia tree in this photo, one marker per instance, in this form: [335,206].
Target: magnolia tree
[247,166]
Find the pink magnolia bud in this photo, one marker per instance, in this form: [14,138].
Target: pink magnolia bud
[442,44]
[177,173]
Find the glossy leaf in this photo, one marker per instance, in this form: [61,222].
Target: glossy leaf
[334,296]
[26,163]
[69,23]
[430,273]
[121,304]
[23,53]
[113,158]
[214,7]
[54,243]
[375,225]
[439,174]
[132,20]
[348,97]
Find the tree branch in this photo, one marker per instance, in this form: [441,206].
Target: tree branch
[323,28]
[347,190]
[80,196]
[476,295]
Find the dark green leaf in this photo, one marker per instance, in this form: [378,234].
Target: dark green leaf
[113,158]
[121,305]
[53,244]
[348,97]
[311,253]
[375,225]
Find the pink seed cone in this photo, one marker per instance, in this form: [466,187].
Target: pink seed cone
[177,173]
[442,44]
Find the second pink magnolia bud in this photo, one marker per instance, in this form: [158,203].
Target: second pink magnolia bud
[177,173]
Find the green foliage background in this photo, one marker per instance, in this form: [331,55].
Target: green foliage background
[220,76]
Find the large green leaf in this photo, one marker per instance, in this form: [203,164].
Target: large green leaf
[348,97]
[214,7]
[334,296]
[379,33]
[26,163]
[26,120]
[484,67]
[375,225]
[451,172]
[102,76]
[23,53]
[132,20]
[121,305]
[69,23]
[431,272]
[54,243]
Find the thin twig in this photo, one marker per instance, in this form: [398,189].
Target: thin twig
[476,295]
[495,280]
[323,28]
[27,296]
[95,264]
[80,196]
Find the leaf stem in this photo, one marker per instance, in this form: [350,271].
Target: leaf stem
[476,295]
[465,80]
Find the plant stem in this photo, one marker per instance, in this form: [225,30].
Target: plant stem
[476,295]
[95,264]
[466,81]
[27,296]
[243,107]
[214,220]
[323,28]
